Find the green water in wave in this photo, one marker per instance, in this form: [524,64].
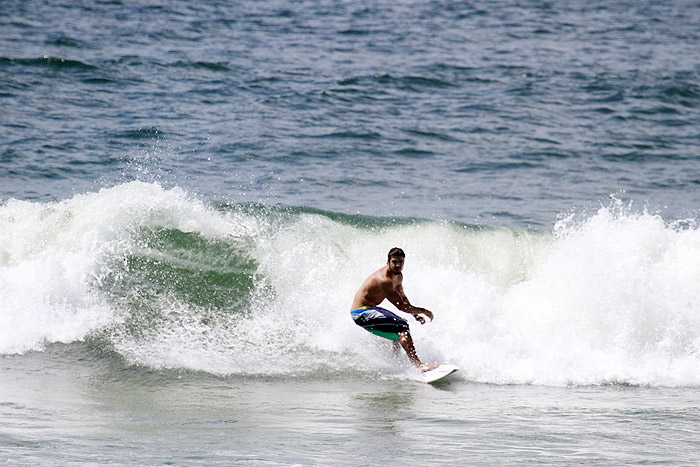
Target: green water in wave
[169,266]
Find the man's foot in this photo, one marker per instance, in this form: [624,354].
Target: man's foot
[426,367]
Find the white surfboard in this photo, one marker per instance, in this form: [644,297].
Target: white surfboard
[438,373]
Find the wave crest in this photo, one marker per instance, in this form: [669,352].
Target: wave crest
[168,281]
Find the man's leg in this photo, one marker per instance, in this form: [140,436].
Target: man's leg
[407,344]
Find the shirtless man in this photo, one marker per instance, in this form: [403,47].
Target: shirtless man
[386,283]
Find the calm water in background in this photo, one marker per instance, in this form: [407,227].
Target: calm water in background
[178,181]
[450,110]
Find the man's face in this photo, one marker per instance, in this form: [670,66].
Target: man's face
[396,264]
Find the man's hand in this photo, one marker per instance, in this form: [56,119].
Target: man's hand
[427,313]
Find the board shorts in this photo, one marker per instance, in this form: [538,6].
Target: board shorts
[380,322]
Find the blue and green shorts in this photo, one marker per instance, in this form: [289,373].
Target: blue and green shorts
[380,322]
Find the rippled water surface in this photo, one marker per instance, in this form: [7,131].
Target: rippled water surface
[508,112]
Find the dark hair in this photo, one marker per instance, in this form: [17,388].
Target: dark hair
[396,253]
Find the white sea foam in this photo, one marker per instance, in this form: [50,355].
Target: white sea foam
[611,297]
[52,255]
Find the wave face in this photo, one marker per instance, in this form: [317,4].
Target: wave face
[165,280]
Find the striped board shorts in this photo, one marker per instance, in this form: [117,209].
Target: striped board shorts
[380,322]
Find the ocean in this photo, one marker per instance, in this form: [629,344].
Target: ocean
[192,192]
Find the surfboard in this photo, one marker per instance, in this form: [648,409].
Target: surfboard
[436,374]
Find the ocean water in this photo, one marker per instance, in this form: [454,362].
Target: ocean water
[190,195]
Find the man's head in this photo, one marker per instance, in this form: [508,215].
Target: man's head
[395,260]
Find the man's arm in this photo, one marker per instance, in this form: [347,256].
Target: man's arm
[398,298]
[399,290]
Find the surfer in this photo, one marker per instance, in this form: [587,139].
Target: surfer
[386,283]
